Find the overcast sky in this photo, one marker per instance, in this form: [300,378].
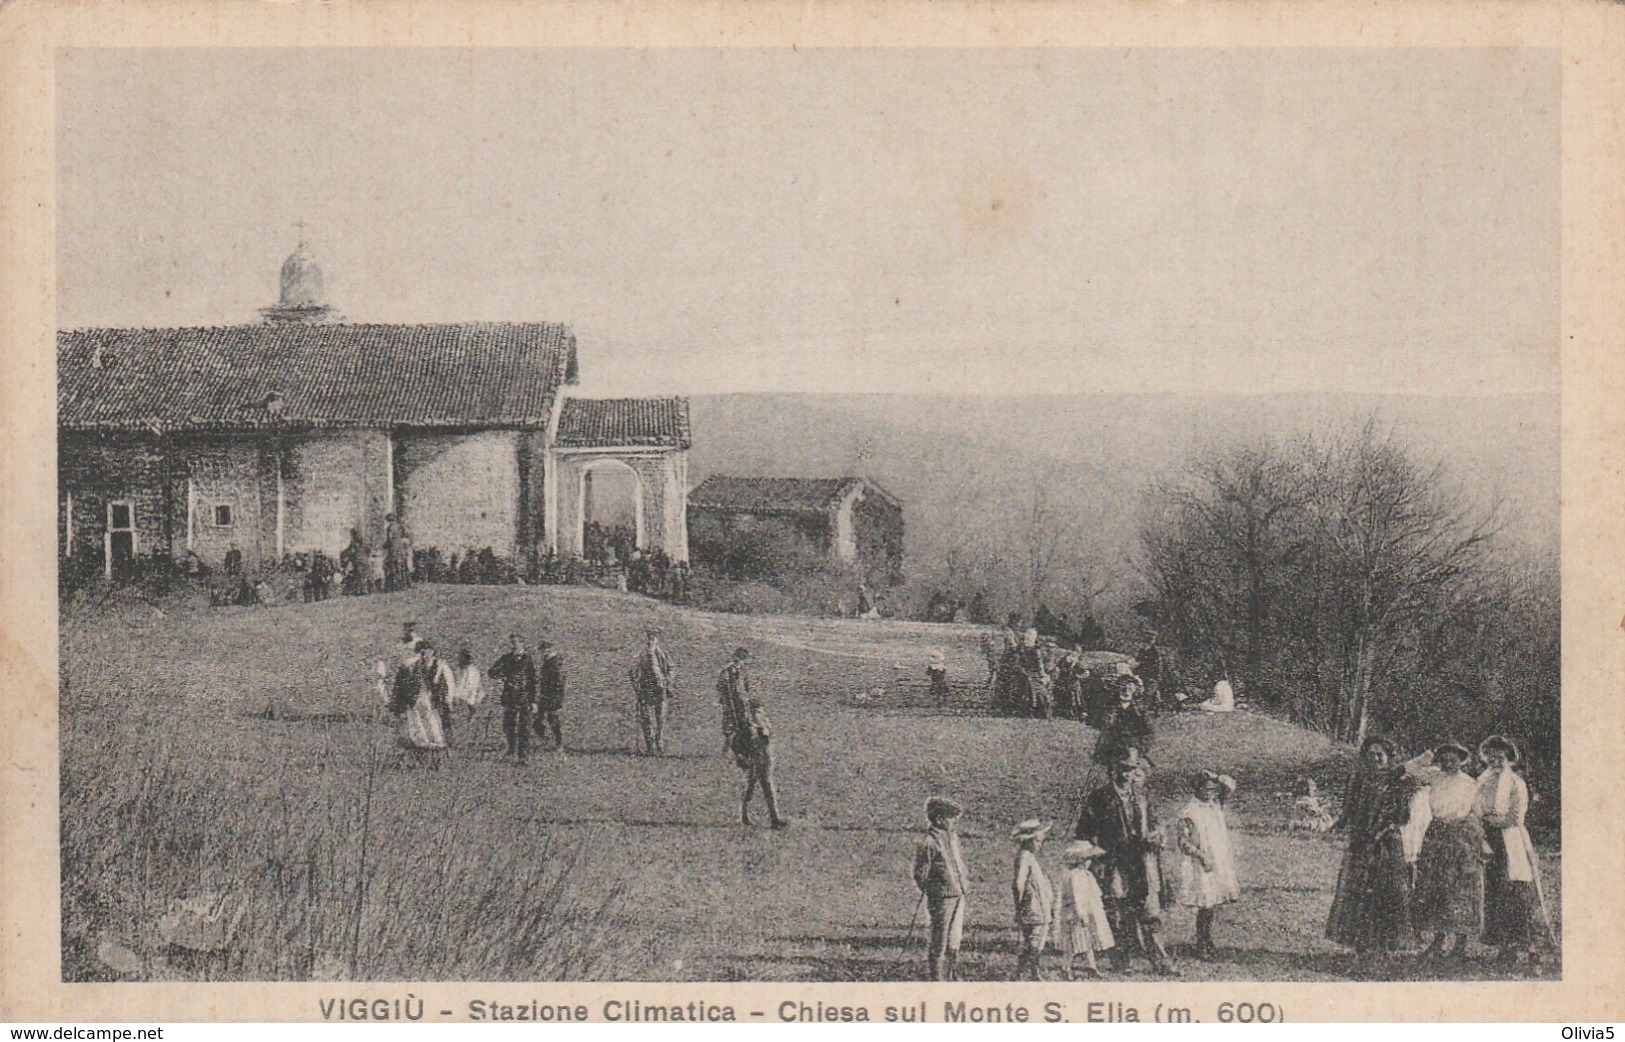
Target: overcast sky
[928,221]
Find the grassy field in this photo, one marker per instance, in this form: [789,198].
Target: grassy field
[243,752]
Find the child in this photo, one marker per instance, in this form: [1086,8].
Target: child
[1035,899]
[468,688]
[1083,923]
[1207,867]
[936,671]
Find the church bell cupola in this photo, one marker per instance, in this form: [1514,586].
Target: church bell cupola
[303,297]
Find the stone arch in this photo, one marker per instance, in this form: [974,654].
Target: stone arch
[661,500]
[611,465]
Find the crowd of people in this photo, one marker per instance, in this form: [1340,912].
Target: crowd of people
[1069,681]
[1436,856]
[430,699]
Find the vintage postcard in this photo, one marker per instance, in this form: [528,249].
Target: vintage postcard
[811,513]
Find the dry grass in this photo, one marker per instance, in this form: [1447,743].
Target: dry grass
[601,864]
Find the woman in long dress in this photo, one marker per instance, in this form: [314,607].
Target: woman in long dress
[1449,898]
[1371,909]
[416,695]
[1514,909]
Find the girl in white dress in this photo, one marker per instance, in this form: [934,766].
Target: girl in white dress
[1084,927]
[1207,864]
[467,685]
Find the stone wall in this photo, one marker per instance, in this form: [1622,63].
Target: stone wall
[101,469]
[460,492]
[228,473]
[877,535]
[333,483]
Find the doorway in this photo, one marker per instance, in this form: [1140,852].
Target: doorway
[121,540]
[611,512]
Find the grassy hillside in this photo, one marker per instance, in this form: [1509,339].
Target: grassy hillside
[242,751]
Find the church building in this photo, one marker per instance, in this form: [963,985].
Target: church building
[282,436]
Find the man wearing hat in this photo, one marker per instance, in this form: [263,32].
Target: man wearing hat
[1035,898]
[516,670]
[651,685]
[1118,818]
[550,694]
[939,872]
[1126,727]
[733,692]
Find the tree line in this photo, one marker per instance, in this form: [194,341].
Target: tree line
[1348,585]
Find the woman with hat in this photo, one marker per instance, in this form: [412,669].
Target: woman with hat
[1515,916]
[1449,898]
[1035,898]
[1371,909]
[1084,928]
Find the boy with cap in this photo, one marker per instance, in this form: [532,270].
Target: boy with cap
[936,674]
[939,872]
[753,751]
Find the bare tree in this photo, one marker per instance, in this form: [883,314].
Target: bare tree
[1044,532]
[1314,567]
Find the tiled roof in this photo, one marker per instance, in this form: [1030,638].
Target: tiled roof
[605,422]
[771,495]
[341,375]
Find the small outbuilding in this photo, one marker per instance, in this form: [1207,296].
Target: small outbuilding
[852,520]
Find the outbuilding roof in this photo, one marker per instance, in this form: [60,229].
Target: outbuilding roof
[607,422]
[338,375]
[778,495]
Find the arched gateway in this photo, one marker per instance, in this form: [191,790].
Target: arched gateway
[600,440]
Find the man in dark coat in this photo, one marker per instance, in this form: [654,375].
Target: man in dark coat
[652,689]
[517,672]
[1118,818]
[1126,727]
[733,692]
[550,695]
[1151,662]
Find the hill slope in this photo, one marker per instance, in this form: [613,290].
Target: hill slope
[665,883]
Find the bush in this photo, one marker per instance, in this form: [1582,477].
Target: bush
[362,874]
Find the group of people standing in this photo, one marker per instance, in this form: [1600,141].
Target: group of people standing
[1436,852]
[1433,852]
[427,693]
[1113,889]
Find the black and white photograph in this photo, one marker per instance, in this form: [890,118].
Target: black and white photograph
[736,514]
